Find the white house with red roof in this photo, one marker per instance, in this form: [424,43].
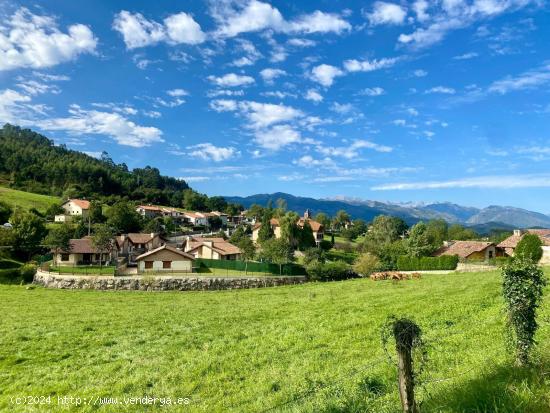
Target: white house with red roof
[74,208]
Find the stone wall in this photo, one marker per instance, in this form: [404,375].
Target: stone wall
[159,283]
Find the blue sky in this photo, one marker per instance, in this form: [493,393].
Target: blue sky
[400,101]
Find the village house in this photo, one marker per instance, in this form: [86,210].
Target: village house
[509,244]
[212,248]
[73,208]
[134,244]
[470,250]
[152,211]
[82,252]
[165,258]
[316,227]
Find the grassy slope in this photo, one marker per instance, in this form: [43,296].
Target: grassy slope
[250,350]
[27,200]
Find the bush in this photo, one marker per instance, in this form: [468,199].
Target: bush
[325,245]
[499,261]
[444,262]
[314,255]
[27,272]
[530,247]
[522,288]
[366,264]
[330,271]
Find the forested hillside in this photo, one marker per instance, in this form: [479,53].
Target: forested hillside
[31,162]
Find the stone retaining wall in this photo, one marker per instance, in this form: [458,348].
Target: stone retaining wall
[159,283]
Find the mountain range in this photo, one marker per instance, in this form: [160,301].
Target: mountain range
[482,220]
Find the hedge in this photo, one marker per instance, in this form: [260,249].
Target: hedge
[444,262]
[251,266]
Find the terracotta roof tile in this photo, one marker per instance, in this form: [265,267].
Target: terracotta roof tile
[463,248]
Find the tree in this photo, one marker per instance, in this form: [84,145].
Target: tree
[529,247]
[53,210]
[96,213]
[216,203]
[278,251]
[58,239]
[289,228]
[418,243]
[281,207]
[323,219]
[155,225]
[256,212]
[457,232]
[194,201]
[366,264]
[437,231]
[266,232]
[307,240]
[102,240]
[383,230]
[29,231]
[123,218]
[5,212]
[248,250]
[313,255]
[341,219]
[522,287]
[215,223]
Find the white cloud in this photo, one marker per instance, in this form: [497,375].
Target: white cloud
[195,178]
[372,91]
[313,95]
[297,42]
[420,73]
[457,14]
[177,92]
[11,105]
[231,80]
[528,80]
[466,56]
[29,40]
[207,152]
[354,65]
[269,74]
[266,114]
[442,90]
[137,31]
[224,92]
[278,94]
[498,182]
[352,151]
[224,105]
[420,7]
[254,15]
[277,137]
[324,74]
[342,108]
[307,161]
[386,13]
[114,125]
[412,111]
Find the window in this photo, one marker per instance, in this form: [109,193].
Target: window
[64,257]
[166,264]
[148,265]
[490,254]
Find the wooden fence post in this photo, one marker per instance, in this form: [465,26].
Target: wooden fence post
[406,334]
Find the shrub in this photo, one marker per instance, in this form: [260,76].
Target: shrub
[522,288]
[313,255]
[366,264]
[330,271]
[325,245]
[530,247]
[499,261]
[27,272]
[444,262]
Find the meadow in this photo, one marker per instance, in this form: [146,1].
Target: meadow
[307,348]
[27,200]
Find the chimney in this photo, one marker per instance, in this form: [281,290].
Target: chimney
[152,235]
[517,232]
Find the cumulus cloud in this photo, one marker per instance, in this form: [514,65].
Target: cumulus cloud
[112,124]
[30,40]
[455,14]
[137,31]
[354,65]
[527,80]
[386,13]
[209,152]
[441,90]
[177,92]
[277,137]
[313,95]
[231,80]
[324,74]
[372,91]
[352,151]
[254,15]
[269,74]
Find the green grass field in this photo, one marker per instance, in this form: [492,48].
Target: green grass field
[27,200]
[306,348]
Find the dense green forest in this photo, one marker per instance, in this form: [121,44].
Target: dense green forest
[31,162]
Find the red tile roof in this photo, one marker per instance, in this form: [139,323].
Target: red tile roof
[220,245]
[513,240]
[168,248]
[82,246]
[82,203]
[463,248]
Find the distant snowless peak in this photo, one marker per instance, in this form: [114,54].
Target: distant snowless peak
[362,201]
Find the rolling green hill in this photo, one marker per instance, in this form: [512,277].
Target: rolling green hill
[306,348]
[27,200]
